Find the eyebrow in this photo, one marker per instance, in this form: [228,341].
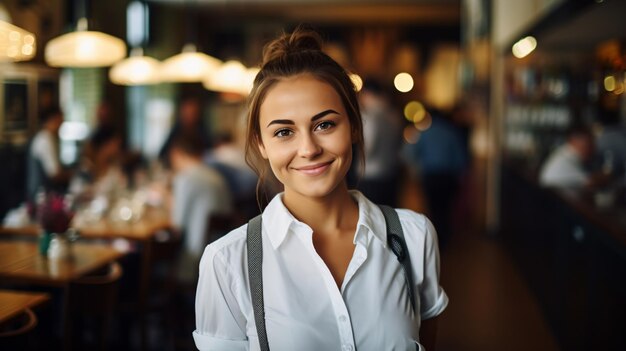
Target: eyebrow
[313,119]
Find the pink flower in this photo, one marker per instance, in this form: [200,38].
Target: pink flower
[55,214]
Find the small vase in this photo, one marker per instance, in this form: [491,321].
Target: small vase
[60,248]
[44,242]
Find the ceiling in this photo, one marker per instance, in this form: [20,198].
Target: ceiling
[413,12]
[584,31]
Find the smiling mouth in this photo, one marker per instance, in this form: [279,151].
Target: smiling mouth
[315,169]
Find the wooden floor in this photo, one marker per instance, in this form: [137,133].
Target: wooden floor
[491,307]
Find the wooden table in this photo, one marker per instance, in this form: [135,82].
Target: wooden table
[12,303]
[142,232]
[21,263]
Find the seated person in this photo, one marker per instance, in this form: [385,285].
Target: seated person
[44,170]
[566,166]
[99,165]
[228,158]
[197,192]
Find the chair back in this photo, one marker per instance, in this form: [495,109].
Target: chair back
[15,335]
[96,294]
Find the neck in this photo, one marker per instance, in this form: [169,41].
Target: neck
[331,213]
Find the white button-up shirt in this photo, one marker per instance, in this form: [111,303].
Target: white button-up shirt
[563,168]
[304,308]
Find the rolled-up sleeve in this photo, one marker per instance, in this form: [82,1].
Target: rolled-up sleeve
[220,324]
[432,297]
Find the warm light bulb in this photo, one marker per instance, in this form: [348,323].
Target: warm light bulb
[524,47]
[403,82]
[414,111]
[357,81]
[609,83]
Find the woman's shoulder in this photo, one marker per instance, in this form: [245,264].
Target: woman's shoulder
[410,217]
[230,247]
[415,224]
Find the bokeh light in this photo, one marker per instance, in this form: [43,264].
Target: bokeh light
[524,47]
[410,134]
[403,82]
[414,111]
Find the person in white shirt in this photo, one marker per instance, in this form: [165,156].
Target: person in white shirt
[565,166]
[44,170]
[198,191]
[330,281]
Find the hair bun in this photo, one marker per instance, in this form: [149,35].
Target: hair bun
[287,44]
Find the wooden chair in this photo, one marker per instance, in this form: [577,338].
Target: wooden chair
[95,296]
[15,335]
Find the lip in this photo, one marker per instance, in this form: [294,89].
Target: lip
[314,169]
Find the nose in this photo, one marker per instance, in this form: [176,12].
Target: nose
[309,147]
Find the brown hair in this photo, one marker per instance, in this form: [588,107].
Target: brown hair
[290,55]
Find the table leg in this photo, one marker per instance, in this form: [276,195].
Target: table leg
[66,323]
[144,286]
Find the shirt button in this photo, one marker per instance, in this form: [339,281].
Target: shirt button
[346,348]
[343,318]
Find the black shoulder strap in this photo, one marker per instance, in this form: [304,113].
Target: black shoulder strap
[255,278]
[397,244]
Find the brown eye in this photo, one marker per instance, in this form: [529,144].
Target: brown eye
[325,125]
[282,133]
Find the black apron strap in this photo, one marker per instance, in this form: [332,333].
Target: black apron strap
[397,244]
[255,278]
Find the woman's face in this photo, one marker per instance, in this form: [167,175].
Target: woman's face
[306,136]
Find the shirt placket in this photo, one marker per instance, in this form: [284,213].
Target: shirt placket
[339,307]
[344,323]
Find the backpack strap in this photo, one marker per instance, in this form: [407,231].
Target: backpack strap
[255,278]
[397,244]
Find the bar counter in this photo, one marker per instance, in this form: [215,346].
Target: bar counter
[572,253]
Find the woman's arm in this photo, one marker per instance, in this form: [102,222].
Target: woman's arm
[428,333]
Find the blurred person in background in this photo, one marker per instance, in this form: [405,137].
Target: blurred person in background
[441,157]
[569,164]
[198,191]
[44,170]
[189,124]
[382,136]
[100,163]
[229,158]
[611,142]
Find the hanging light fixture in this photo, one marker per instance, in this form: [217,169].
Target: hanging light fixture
[189,66]
[16,44]
[84,48]
[228,78]
[137,69]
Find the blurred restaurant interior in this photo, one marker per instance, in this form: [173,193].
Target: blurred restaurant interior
[105,104]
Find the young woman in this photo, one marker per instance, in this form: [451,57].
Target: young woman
[330,281]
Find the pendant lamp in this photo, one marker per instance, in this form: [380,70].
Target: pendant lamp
[16,44]
[84,48]
[227,79]
[231,77]
[189,66]
[248,82]
[137,69]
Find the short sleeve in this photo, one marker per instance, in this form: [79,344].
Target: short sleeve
[44,150]
[433,300]
[220,324]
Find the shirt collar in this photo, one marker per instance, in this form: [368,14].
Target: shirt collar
[277,221]
[370,218]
